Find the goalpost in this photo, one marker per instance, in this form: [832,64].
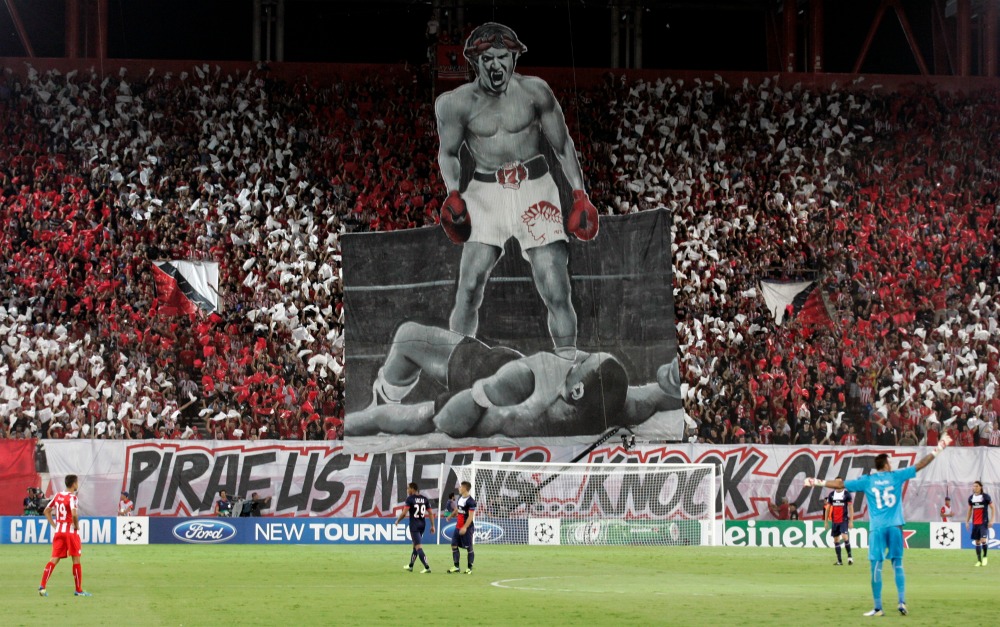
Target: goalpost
[597,504]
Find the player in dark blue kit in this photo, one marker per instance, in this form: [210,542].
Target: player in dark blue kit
[840,514]
[419,510]
[981,512]
[465,528]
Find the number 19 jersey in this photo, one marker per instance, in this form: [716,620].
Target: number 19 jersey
[62,506]
[884,491]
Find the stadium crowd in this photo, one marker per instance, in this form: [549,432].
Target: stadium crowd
[887,200]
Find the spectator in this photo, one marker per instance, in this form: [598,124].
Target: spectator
[946,513]
[850,438]
[886,435]
[782,511]
[255,506]
[223,506]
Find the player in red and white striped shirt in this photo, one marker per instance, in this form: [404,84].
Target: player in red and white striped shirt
[62,515]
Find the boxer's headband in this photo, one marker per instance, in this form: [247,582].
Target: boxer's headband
[492,36]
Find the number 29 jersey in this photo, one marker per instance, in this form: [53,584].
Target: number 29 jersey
[884,492]
[417,504]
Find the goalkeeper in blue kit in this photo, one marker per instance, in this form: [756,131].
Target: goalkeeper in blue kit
[884,491]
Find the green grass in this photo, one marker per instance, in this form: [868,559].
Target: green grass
[350,585]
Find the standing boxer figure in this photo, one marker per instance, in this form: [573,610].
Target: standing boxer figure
[503,118]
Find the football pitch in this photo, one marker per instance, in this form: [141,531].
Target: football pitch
[512,585]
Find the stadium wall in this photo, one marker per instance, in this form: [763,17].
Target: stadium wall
[559,77]
[182,478]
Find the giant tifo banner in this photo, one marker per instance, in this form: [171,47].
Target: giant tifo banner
[182,478]
[524,317]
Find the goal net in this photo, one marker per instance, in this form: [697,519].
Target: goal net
[602,504]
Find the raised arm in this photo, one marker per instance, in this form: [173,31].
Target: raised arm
[927,459]
[838,483]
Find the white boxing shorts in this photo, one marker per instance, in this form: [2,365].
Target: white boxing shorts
[515,206]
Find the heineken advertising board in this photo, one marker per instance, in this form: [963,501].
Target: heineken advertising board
[811,534]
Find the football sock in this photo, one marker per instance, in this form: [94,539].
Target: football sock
[897,566]
[836,547]
[979,553]
[47,573]
[423,558]
[413,558]
[985,548]
[78,577]
[472,558]
[454,556]
[847,545]
[876,569]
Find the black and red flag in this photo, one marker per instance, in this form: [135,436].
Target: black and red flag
[185,287]
[802,300]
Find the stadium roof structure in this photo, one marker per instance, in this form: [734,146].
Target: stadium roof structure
[926,37]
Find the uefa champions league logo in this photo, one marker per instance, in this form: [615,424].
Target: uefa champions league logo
[132,531]
[945,536]
[544,533]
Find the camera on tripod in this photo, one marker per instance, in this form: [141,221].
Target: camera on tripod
[244,507]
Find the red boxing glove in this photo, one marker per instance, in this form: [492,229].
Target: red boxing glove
[455,218]
[583,222]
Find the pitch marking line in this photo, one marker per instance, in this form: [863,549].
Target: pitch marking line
[503,583]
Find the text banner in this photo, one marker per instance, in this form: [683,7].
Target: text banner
[181,478]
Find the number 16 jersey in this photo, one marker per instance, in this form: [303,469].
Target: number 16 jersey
[884,492]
